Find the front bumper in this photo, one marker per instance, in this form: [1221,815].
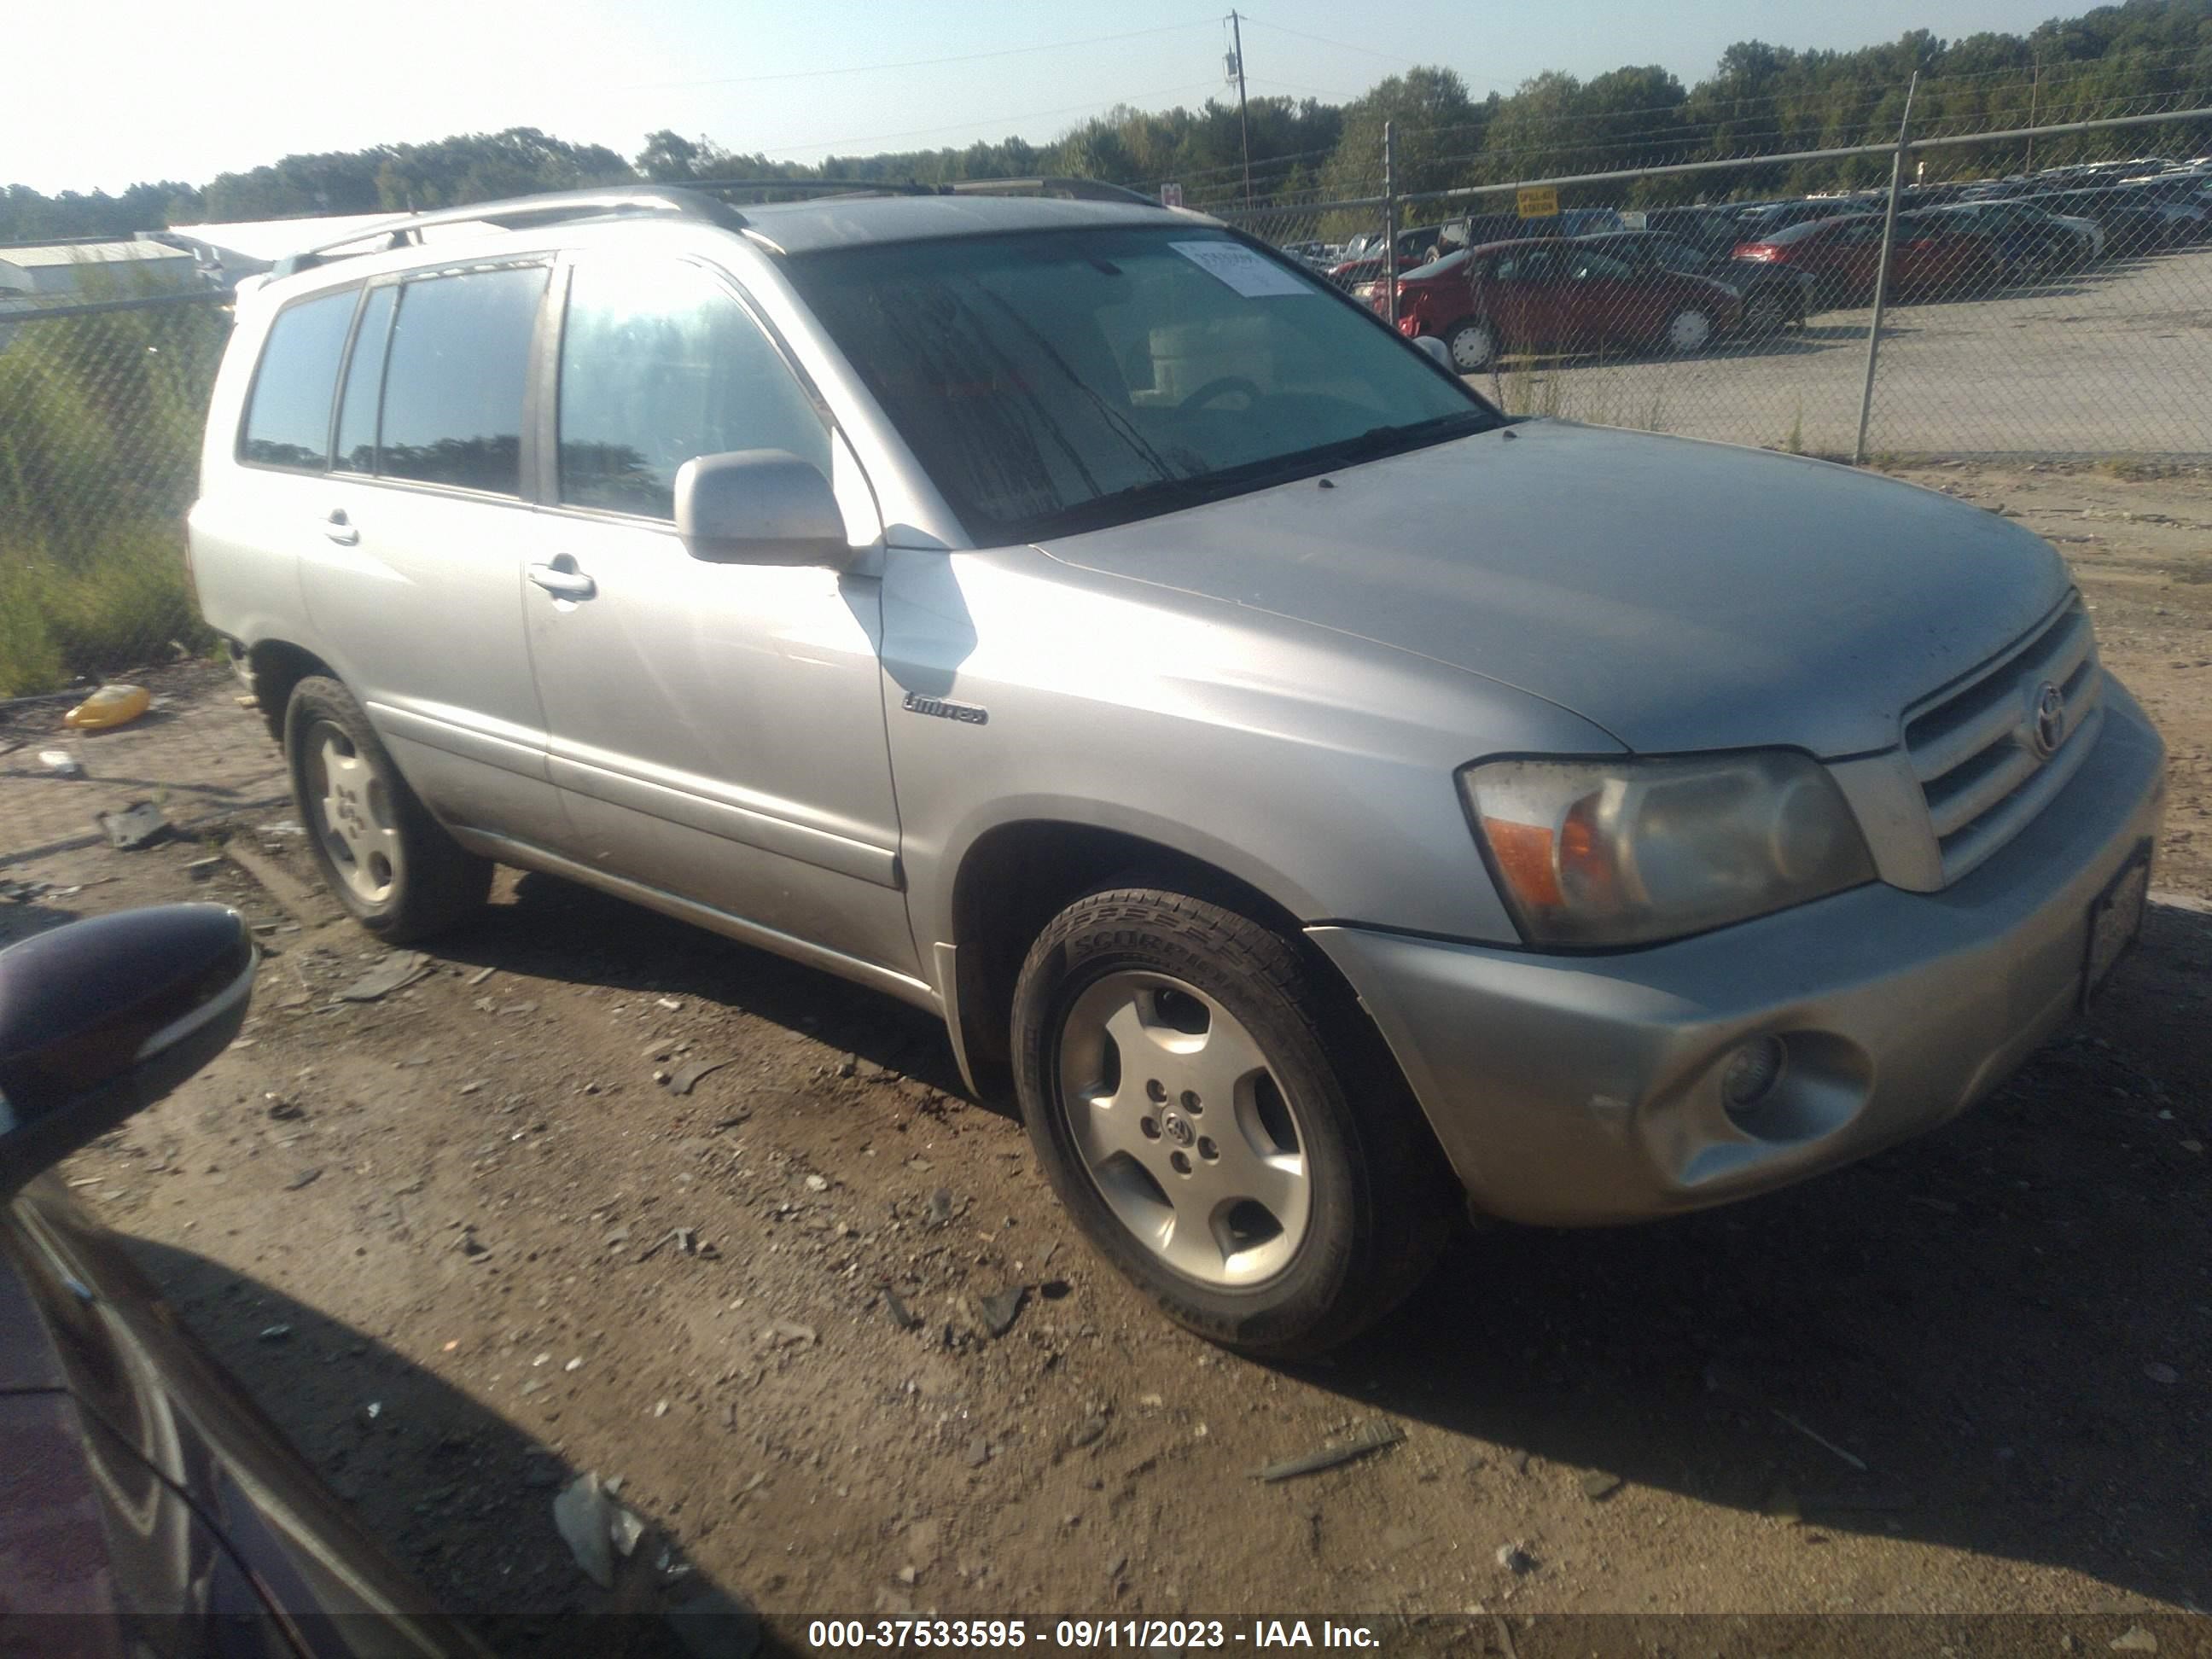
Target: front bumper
[1579,1090]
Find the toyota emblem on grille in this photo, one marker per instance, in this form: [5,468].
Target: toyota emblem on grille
[2048,728]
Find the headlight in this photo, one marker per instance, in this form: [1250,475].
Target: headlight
[1626,851]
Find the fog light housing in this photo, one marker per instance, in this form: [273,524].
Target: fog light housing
[1751,1072]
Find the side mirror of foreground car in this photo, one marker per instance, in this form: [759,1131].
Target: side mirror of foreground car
[759,507]
[99,1018]
[1438,350]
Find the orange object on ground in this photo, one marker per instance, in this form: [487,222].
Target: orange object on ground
[112,705]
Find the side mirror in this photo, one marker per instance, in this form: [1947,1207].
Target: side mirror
[1437,352]
[100,1018]
[759,507]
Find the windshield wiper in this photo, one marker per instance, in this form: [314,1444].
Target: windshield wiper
[1386,440]
[1166,495]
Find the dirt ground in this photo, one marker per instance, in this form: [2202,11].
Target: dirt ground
[1972,1375]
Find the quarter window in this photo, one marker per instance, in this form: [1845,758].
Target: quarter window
[660,364]
[288,419]
[357,445]
[452,386]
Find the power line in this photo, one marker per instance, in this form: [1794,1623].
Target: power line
[1293,86]
[909,64]
[1346,45]
[985,121]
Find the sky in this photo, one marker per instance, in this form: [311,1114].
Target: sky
[101,95]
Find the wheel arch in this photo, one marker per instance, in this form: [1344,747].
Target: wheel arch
[277,666]
[1016,875]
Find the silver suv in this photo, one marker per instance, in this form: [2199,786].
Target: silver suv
[1321,800]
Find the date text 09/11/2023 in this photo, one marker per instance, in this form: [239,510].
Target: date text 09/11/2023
[1174,1635]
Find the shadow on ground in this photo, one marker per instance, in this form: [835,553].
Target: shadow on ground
[555,929]
[460,1496]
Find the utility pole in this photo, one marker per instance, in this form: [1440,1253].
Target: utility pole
[1236,69]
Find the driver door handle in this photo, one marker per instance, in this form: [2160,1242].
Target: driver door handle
[562,583]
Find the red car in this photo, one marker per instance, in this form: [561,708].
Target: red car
[1842,254]
[1559,294]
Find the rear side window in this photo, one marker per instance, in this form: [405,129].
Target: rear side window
[454,379]
[288,418]
[660,364]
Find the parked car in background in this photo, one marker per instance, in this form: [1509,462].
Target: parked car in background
[2133,225]
[1561,294]
[1484,228]
[2184,202]
[150,1506]
[1774,296]
[1708,229]
[2032,238]
[1761,224]
[1841,255]
[1365,262]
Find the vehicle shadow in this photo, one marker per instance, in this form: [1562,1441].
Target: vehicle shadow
[459,1495]
[557,929]
[1996,1338]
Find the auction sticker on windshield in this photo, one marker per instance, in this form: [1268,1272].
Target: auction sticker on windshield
[1251,276]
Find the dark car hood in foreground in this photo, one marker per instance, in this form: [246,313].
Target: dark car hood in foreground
[1682,595]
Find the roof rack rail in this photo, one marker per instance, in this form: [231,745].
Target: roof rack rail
[551,207]
[694,198]
[819,187]
[1075,190]
[1081,190]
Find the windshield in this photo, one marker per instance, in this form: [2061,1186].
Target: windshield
[1058,380]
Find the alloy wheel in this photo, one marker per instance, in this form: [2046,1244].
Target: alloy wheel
[1182,1125]
[353,814]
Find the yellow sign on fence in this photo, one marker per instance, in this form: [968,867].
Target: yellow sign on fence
[1540,203]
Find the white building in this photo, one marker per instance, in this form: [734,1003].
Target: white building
[93,269]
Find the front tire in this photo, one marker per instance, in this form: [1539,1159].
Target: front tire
[390,863]
[1233,1138]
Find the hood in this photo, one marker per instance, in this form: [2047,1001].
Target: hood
[1683,595]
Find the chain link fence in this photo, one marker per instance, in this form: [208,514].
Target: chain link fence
[2052,313]
[102,409]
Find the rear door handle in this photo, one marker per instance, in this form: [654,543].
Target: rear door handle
[339,528]
[562,584]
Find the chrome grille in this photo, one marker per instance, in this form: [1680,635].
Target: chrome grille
[1978,749]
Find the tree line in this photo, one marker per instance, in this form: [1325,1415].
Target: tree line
[1760,100]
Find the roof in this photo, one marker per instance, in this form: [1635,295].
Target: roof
[855,220]
[270,240]
[87,253]
[859,219]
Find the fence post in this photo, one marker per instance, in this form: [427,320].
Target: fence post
[1881,271]
[1391,223]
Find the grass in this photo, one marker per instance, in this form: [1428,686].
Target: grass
[2128,471]
[101,419]
[1533,386]
[1794,442]
[119,610]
